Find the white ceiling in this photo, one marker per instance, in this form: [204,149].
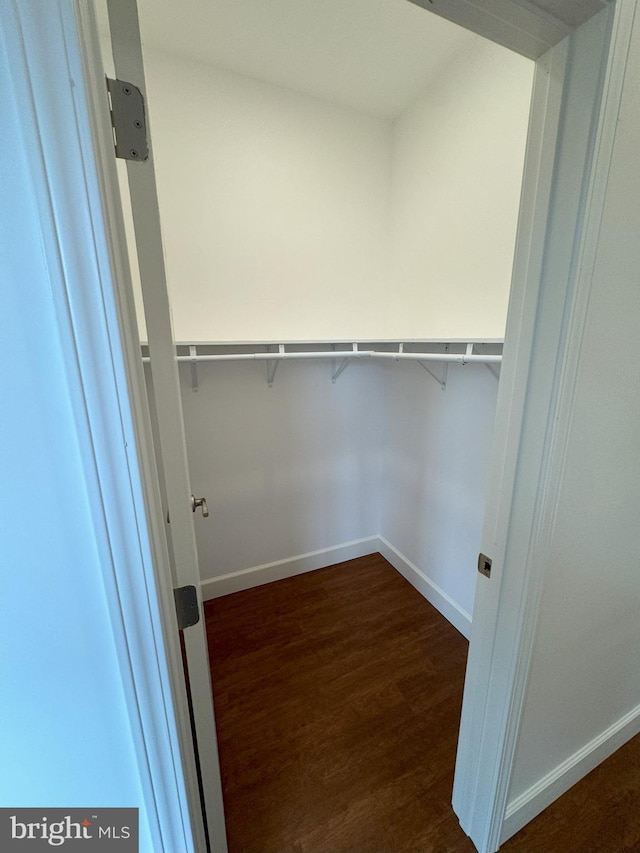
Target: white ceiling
[372,55]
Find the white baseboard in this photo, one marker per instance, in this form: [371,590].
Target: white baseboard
[529,804]
[451,611]
[280,569]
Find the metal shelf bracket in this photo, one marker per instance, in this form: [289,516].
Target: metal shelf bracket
[336,371]
[193,355]
[272,365]
[442,381]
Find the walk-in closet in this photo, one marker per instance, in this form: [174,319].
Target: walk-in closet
[314,362]
[338,187]
[336,176]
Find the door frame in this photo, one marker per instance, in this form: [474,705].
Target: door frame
[96,336]
[494,694]
[199,764]
[533,412]
[171,450]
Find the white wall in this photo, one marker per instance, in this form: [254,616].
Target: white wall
[434,469]
[583,694]
[287,470]
[289,218]
[457,160]
[286,217]
[273,203]
[66,734]
[309,465]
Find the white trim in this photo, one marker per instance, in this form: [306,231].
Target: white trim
[171,448]
[67,194]
[451,611]
[523,26]
[530,803]
[288,568]
[149,502]
[559,429]
[312,561]
[476,776]
[524,486]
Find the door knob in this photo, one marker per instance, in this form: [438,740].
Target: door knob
[202,503]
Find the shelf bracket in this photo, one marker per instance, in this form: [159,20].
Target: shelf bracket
[340,369]
[493,371]
[193,365]
[336,371]
[272,365]
[442,381]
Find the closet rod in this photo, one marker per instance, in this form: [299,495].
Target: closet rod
[447,357]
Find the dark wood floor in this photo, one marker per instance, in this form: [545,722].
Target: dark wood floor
[338,699]
[601,814]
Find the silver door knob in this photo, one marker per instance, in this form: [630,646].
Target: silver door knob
[202,503]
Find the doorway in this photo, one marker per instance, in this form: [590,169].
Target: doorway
[369,131]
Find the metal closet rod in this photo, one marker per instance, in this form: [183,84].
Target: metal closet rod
[467,357]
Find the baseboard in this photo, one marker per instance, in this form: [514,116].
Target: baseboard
[280,569]
[451,611]
[529,804]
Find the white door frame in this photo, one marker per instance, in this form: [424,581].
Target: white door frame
[77,217]
[504,627]
[169,421]
[202,772]
[546,317]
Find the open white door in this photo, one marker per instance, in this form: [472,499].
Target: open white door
[204,788]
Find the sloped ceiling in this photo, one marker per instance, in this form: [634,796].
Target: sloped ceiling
[529,27]
[571,12]
[376,56]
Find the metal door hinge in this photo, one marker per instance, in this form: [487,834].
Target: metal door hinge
[484,565]
[128,121]
[187,609]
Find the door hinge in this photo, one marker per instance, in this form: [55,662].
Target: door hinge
[128,120]
[187,609]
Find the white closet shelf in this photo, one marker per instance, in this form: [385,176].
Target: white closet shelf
[456,352]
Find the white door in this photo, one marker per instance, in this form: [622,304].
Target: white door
[170,450]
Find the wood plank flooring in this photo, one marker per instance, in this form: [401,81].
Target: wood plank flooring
[601,814]
[338,698]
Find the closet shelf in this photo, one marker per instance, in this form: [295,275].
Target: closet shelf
[488,353]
